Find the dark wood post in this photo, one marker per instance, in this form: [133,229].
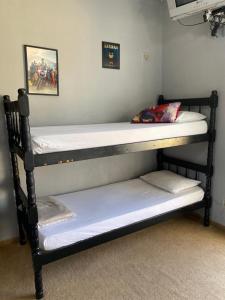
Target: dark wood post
[159,155]
[212,136]
[160,99]
[15,169]
[30,182]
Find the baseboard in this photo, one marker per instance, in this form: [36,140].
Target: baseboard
[8,242]
[220,226]
[196,217]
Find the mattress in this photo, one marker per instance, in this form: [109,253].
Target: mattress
[64,138]
[102,209]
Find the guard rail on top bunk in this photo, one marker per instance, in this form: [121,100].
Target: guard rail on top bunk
[20,143]
[17,113]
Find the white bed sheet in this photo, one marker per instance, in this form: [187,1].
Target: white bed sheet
[105,208]
[63,138]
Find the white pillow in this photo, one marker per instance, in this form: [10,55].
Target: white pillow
[169,181]
[189,116]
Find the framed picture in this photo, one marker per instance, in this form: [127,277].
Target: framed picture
[41,67]
[110,55]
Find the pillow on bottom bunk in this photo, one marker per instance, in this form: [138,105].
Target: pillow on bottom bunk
[170,181]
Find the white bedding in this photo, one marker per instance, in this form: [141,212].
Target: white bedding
[105,208]
[63,138]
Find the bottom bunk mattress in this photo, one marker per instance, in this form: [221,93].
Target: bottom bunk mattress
[102,209]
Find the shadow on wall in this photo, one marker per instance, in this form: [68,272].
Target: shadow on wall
[7,203]
[147,12]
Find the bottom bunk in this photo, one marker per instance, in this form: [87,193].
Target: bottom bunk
[103,209]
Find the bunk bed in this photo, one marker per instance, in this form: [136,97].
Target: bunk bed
[39,147]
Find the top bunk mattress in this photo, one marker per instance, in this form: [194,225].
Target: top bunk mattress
[76,137]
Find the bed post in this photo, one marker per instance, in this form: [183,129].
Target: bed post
[160,151]
[15,169]
[212,136]
[30,182]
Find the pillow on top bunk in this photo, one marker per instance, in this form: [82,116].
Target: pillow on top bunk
[189,116]
[164,113]
[169,181]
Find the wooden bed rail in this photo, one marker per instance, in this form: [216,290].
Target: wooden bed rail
[162,159]
[186,165]
[21,105]
[17,118]
[211,101]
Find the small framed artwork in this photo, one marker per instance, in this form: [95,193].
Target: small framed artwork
[41,70]
[110,55]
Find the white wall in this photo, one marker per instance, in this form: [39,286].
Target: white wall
[193,65]
[88,93]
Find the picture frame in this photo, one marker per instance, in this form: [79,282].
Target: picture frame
[110,55]
[41,70]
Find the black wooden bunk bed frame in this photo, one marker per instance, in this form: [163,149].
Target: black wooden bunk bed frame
[20,144]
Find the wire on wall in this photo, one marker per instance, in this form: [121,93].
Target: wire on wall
[216,19]
[190,24]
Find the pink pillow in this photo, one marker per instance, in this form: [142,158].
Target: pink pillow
[164,113]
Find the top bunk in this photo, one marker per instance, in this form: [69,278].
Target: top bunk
[40,146]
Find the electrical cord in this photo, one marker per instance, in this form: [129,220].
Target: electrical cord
[216,19]
[190,24]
